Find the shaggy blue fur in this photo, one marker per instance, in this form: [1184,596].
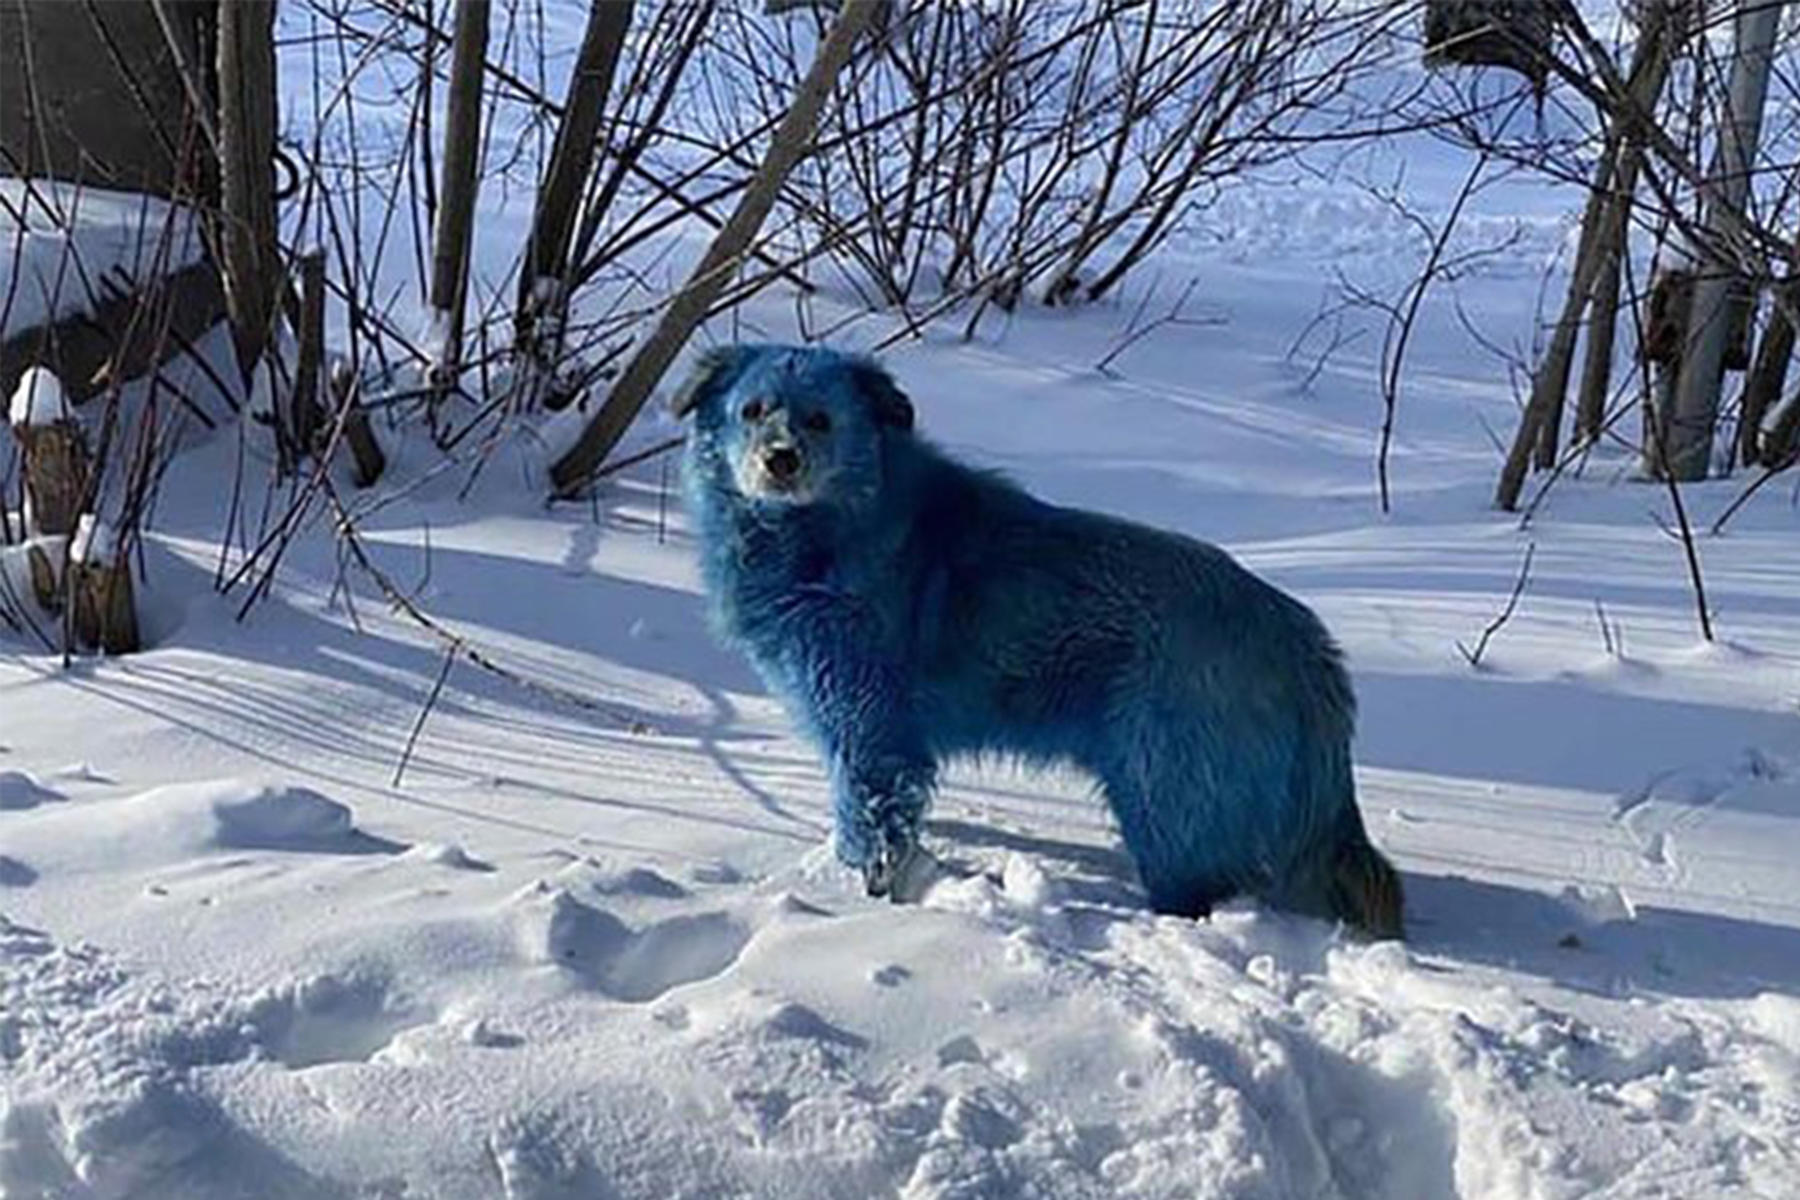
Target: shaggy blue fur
[909,609]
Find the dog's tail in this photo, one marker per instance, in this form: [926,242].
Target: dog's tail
[1365,890]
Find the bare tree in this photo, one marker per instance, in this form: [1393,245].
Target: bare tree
[1603,228]
[722,259]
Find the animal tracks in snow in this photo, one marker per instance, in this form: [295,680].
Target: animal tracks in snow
[1673,804]
[1026,1029]
[639,964]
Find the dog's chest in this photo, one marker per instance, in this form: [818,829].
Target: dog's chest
[778,583]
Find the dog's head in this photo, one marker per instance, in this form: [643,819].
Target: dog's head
[792,425]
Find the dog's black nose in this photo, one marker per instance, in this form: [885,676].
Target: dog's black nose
[782,462]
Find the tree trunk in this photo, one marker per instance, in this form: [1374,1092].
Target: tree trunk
[1767,379]
[1543,412]
[304,406]
[543,282]
[1550,384]
[1649,72]
[365,451]
[250,254]
[791,140]
[455,232]
[1689,431]
[1782,445]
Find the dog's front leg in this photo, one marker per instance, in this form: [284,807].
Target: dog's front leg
[879,812]
[881,771]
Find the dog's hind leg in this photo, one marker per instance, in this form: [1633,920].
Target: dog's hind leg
[1184,873]
[1207,804]
[1364,891]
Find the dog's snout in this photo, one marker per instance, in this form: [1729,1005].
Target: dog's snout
[783,462]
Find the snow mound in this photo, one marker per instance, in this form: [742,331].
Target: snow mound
[111,1077]
[236,815]
[59,236]
[19,791]
[446,854]
[606,878]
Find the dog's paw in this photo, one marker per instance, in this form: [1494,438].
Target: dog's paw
[902,873]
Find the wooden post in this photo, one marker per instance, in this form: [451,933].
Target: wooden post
[56,482]
[56,476]
[56,469]
[462,185]
[55,451]
[722,259]
[364,449]
[105,617]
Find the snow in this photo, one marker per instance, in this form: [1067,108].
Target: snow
[96,542]
[38,399]
[66,246]
[20,790]
[605,950]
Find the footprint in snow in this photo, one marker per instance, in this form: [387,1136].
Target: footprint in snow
[536,1159]
[14,873]
[891,975]
[20,791]
[332,1019]
[962,1049]
[791,1020]
[636,965]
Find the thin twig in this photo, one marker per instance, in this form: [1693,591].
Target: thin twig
[1512,602]
[430,703]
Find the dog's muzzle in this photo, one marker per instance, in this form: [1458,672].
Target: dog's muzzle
[782,465]
[775,469]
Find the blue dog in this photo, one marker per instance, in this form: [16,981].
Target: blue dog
[909,609]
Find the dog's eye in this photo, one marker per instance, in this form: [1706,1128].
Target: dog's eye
[819,422]
[752,411]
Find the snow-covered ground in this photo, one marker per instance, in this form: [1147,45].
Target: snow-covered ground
[601,950]
[66,249]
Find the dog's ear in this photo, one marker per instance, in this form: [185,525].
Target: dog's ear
[714,373]
[890,405]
